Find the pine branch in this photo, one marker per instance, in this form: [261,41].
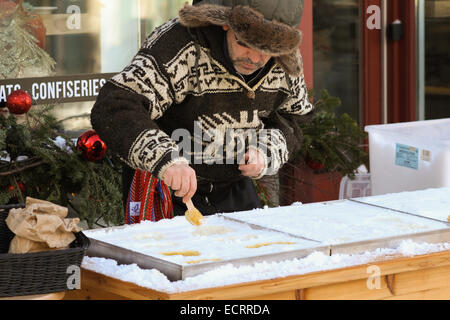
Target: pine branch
[18,170]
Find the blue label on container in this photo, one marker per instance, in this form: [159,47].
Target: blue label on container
[407,156]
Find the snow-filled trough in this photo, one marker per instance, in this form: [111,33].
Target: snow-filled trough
[180,250]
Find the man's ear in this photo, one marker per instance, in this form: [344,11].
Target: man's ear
[226,27]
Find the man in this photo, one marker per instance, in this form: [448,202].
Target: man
[222,69]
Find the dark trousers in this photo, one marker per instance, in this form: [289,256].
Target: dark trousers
[209,198]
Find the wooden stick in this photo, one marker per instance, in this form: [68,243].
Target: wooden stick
[190,205]
[7,173]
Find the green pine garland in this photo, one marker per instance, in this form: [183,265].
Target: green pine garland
[335,141]
[91,191]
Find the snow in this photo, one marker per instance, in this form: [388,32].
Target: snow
[61,143]
[229,275]
[218,239]
[431,203]
[338,221]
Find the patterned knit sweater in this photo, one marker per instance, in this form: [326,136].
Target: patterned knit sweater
[181,79]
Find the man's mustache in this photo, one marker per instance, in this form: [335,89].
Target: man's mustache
[249,62]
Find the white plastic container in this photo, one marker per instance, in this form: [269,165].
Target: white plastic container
[356,188]
[409,156]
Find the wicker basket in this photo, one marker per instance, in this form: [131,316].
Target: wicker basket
[36,273]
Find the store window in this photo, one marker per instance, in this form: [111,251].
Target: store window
[80,44]
[337,52]
[434,59]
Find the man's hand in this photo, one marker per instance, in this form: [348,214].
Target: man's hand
[181,178]
[254,164]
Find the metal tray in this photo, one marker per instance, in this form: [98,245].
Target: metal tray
[175,271]
[435,236]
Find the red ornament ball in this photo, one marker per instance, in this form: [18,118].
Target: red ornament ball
[21,186]
[12,188]
[19,102]
[90,145]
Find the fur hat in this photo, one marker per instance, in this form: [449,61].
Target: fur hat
[274,38]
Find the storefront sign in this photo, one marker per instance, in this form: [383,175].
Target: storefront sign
[59,89]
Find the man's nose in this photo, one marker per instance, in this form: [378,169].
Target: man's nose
[254,56]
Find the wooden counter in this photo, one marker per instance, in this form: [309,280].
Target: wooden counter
[46,296]
[419,277]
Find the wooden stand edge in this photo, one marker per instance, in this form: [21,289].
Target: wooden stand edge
[418,277]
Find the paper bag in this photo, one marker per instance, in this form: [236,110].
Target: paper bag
[40,226]
[41,206]
[22,245]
